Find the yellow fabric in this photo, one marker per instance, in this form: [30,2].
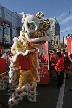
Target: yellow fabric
[26,76]
[33,63]
[29,76]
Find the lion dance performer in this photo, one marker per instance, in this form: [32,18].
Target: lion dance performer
[23,74]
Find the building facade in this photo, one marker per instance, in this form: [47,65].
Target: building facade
[56,34]
[50,46]
[10,25]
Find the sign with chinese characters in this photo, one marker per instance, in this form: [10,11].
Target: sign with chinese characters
[44,75]
[43,64]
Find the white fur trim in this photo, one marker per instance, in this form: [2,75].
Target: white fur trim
[51,20]
[34,100]
[13,59]
[29,19]
[45,38]
[15,102]
[21,95]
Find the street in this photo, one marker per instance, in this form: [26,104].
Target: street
[48,96]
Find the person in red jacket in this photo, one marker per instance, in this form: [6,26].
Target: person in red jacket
[53,59]
[59,68]
[2,65]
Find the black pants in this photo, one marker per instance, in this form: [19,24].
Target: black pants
[60,78]
[66,75]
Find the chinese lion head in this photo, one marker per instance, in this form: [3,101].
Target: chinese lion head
[36,28]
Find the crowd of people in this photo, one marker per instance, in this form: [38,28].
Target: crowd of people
[59,61]
[4,59]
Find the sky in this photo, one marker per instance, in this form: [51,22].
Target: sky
[61,9]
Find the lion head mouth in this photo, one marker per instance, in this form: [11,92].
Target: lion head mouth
[39,42]
[31,25]
[37,34]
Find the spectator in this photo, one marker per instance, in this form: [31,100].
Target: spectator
[4,55]
[59,68]
[2,64]
[66,61]
[53,59]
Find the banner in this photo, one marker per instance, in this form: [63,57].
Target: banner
[69,45]
[44,64]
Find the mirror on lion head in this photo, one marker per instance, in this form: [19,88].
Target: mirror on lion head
[35,28]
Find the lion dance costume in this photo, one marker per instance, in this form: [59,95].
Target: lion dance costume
[23,74]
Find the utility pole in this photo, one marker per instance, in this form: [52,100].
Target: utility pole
[63,41]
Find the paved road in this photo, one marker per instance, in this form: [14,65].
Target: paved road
[67,101]
[49,96]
